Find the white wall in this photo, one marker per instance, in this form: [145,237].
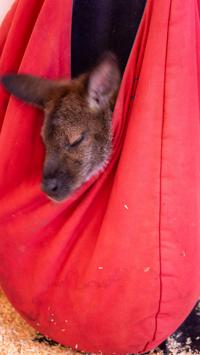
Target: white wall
[4,7]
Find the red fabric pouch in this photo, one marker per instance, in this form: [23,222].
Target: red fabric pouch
[116,267]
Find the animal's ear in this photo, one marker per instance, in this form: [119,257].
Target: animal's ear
[103,82]
[31,89]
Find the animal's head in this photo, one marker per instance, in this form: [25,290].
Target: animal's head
[77,123]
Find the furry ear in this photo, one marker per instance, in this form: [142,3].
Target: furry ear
[103,82]
[31,89]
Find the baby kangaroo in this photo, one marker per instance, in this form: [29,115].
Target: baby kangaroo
[77,123]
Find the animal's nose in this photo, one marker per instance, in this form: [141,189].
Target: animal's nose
[50,185]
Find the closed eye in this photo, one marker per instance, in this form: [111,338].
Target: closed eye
[78,140]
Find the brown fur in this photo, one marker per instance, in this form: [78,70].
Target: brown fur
[77,126]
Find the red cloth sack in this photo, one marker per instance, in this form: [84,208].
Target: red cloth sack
[116,267]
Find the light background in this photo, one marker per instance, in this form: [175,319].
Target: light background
[4,7]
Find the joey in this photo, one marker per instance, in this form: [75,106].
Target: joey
[77,129]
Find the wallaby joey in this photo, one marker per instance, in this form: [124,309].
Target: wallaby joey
[77,129]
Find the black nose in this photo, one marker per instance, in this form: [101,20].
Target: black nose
[50,185]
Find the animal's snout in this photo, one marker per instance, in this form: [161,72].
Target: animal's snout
[50,184]
[56,184]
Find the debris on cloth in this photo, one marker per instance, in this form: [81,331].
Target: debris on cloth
[17,337]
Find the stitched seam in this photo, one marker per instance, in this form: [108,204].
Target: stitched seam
[160,186]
